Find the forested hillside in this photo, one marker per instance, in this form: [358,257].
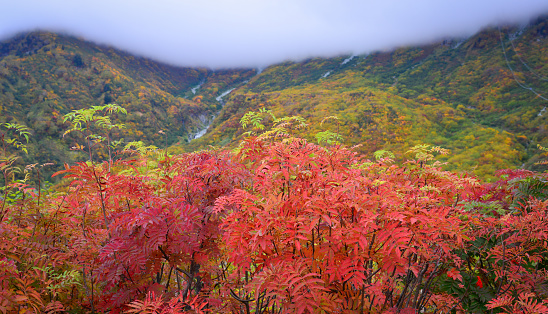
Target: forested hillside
[44,76]
[460,94]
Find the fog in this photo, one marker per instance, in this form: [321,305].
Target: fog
[256,33]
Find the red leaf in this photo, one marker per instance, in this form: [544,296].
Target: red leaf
[479,284]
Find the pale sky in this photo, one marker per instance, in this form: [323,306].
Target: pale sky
[256,33]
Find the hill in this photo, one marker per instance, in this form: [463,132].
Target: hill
[460,94]
[44,76]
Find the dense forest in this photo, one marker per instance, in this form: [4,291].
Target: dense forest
[409,181]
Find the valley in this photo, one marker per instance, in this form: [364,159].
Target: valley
[459,94]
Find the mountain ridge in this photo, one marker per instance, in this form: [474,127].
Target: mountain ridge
[455,93]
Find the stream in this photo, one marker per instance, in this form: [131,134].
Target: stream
[195,88]
[208,122]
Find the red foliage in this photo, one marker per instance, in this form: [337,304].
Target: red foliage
[283,227]
[322,228]
[479,284]
[152,231]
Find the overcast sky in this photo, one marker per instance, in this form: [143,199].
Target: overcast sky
[251,33]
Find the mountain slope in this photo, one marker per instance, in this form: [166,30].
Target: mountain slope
[459,93]
[43,76]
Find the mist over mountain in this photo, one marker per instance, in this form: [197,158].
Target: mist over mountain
[240,33]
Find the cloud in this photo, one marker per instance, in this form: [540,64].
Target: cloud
[250,33]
